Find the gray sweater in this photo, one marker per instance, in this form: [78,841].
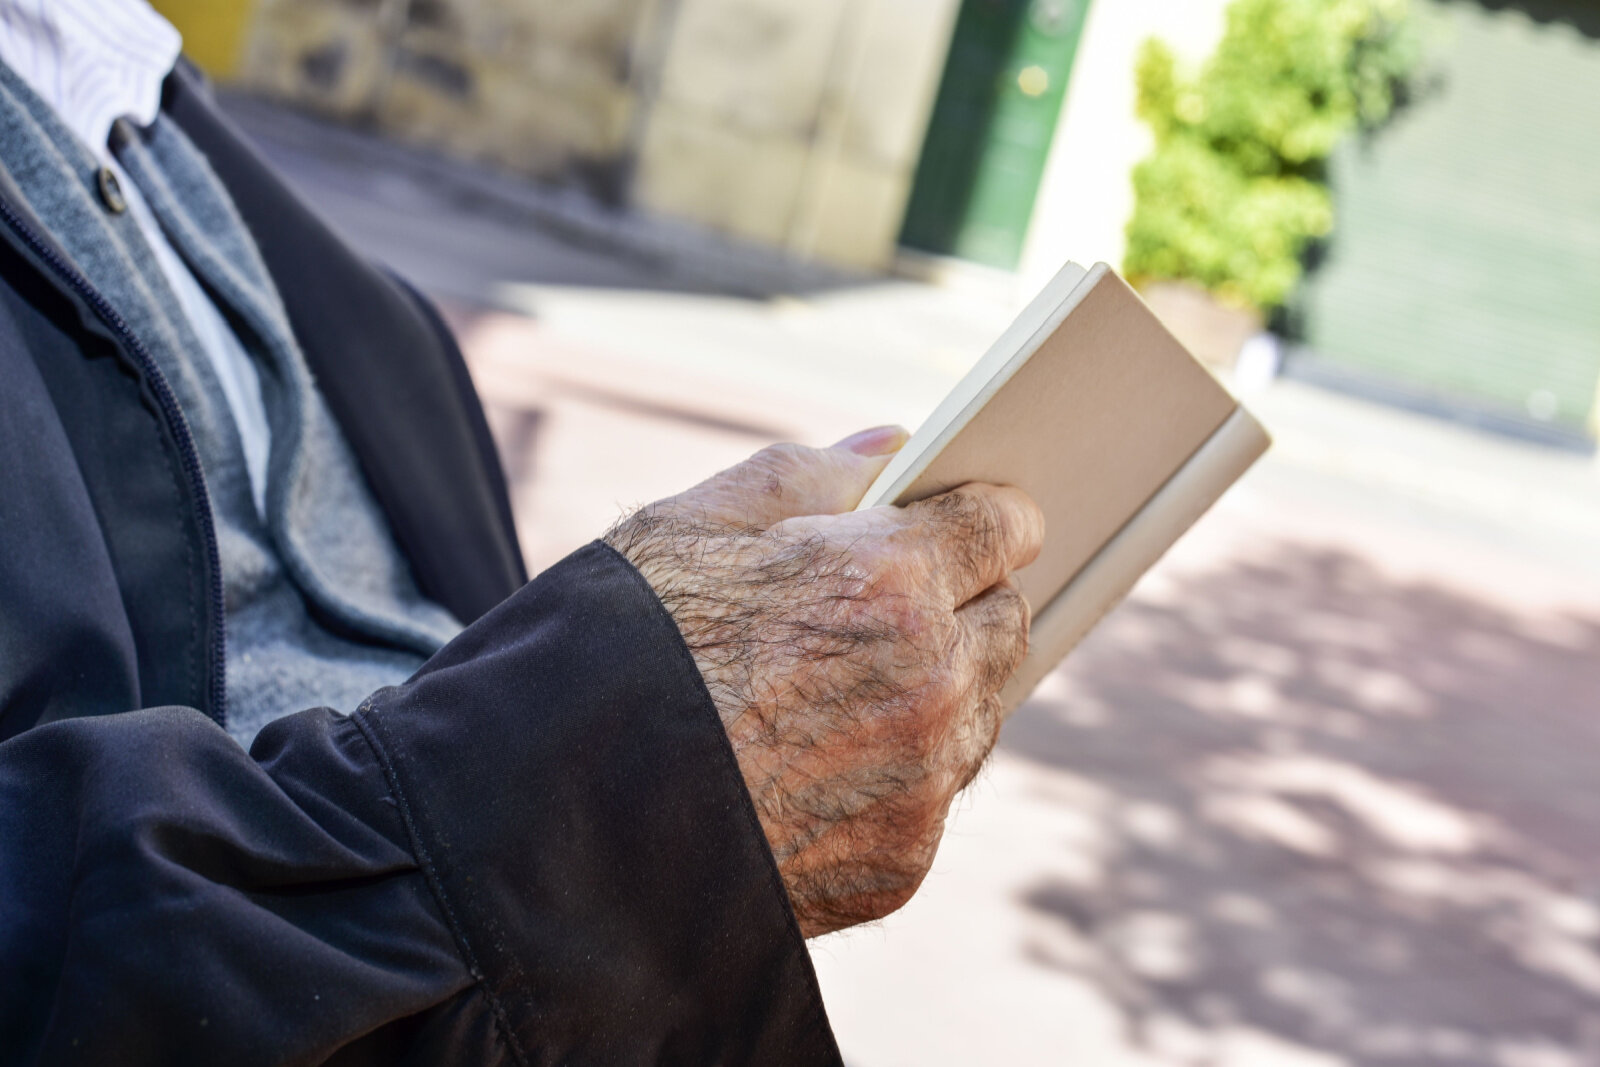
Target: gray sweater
[321,605]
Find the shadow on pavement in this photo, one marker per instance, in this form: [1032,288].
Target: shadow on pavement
[1357,815]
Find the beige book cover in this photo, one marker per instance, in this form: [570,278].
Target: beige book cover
[1089,405]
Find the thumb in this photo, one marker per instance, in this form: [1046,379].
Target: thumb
[878,442]
[788,481]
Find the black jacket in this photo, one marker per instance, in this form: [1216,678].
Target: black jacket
[537,850]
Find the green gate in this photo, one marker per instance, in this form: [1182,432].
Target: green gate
[991,127]
[1464,267]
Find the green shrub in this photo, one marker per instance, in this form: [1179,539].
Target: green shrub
[1235,185]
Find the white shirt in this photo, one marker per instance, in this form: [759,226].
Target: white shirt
[97,61]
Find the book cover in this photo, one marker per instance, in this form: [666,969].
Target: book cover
[1089,405]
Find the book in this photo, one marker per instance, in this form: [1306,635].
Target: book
[1088,404]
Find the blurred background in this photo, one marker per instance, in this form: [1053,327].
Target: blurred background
[1326,789]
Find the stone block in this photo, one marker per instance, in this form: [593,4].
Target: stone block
[537,87]
[737,181]
[510,119]
[756,64]
[899,60]
[328,57]
[854,215]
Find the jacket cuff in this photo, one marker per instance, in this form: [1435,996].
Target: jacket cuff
[576,806]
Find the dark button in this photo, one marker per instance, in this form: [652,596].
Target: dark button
[111,191]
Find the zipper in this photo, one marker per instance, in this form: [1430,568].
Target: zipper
[216,685]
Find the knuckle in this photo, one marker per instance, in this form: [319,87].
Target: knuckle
[992,715]
[780,453]
[1021,513]
[956,667]
[774,462]
[879,561]
[1036,519]
[1004,632]
[1024,614]
[986,733]
[971,744]
[1014,626]
[896,614]
[965,664]
[908,618]
[981,532]
[989,522]
[788,457]
[974,516]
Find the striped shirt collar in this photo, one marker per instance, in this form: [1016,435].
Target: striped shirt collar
[93,61]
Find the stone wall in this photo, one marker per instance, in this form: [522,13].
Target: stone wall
[541,87]
[794,123]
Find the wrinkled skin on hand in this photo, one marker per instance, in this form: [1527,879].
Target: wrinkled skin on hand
[854,657]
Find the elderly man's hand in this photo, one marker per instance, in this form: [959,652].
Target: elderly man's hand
[855,657]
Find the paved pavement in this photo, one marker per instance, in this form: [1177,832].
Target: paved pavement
[1323,791]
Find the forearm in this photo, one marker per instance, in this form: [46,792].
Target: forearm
[537,850]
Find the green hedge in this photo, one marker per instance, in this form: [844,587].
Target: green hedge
[1235,185]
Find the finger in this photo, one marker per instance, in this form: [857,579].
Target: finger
[992,641]
[878,441]
[786,481]
[975,535]
[992,636]
[987,719]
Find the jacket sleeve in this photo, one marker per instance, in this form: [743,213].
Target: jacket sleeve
[537,850]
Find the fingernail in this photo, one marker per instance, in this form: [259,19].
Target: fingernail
[878,441]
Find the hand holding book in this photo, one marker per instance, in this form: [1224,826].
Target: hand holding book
[860,660]
[855,659]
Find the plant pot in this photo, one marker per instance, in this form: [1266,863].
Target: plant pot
[1215,332]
